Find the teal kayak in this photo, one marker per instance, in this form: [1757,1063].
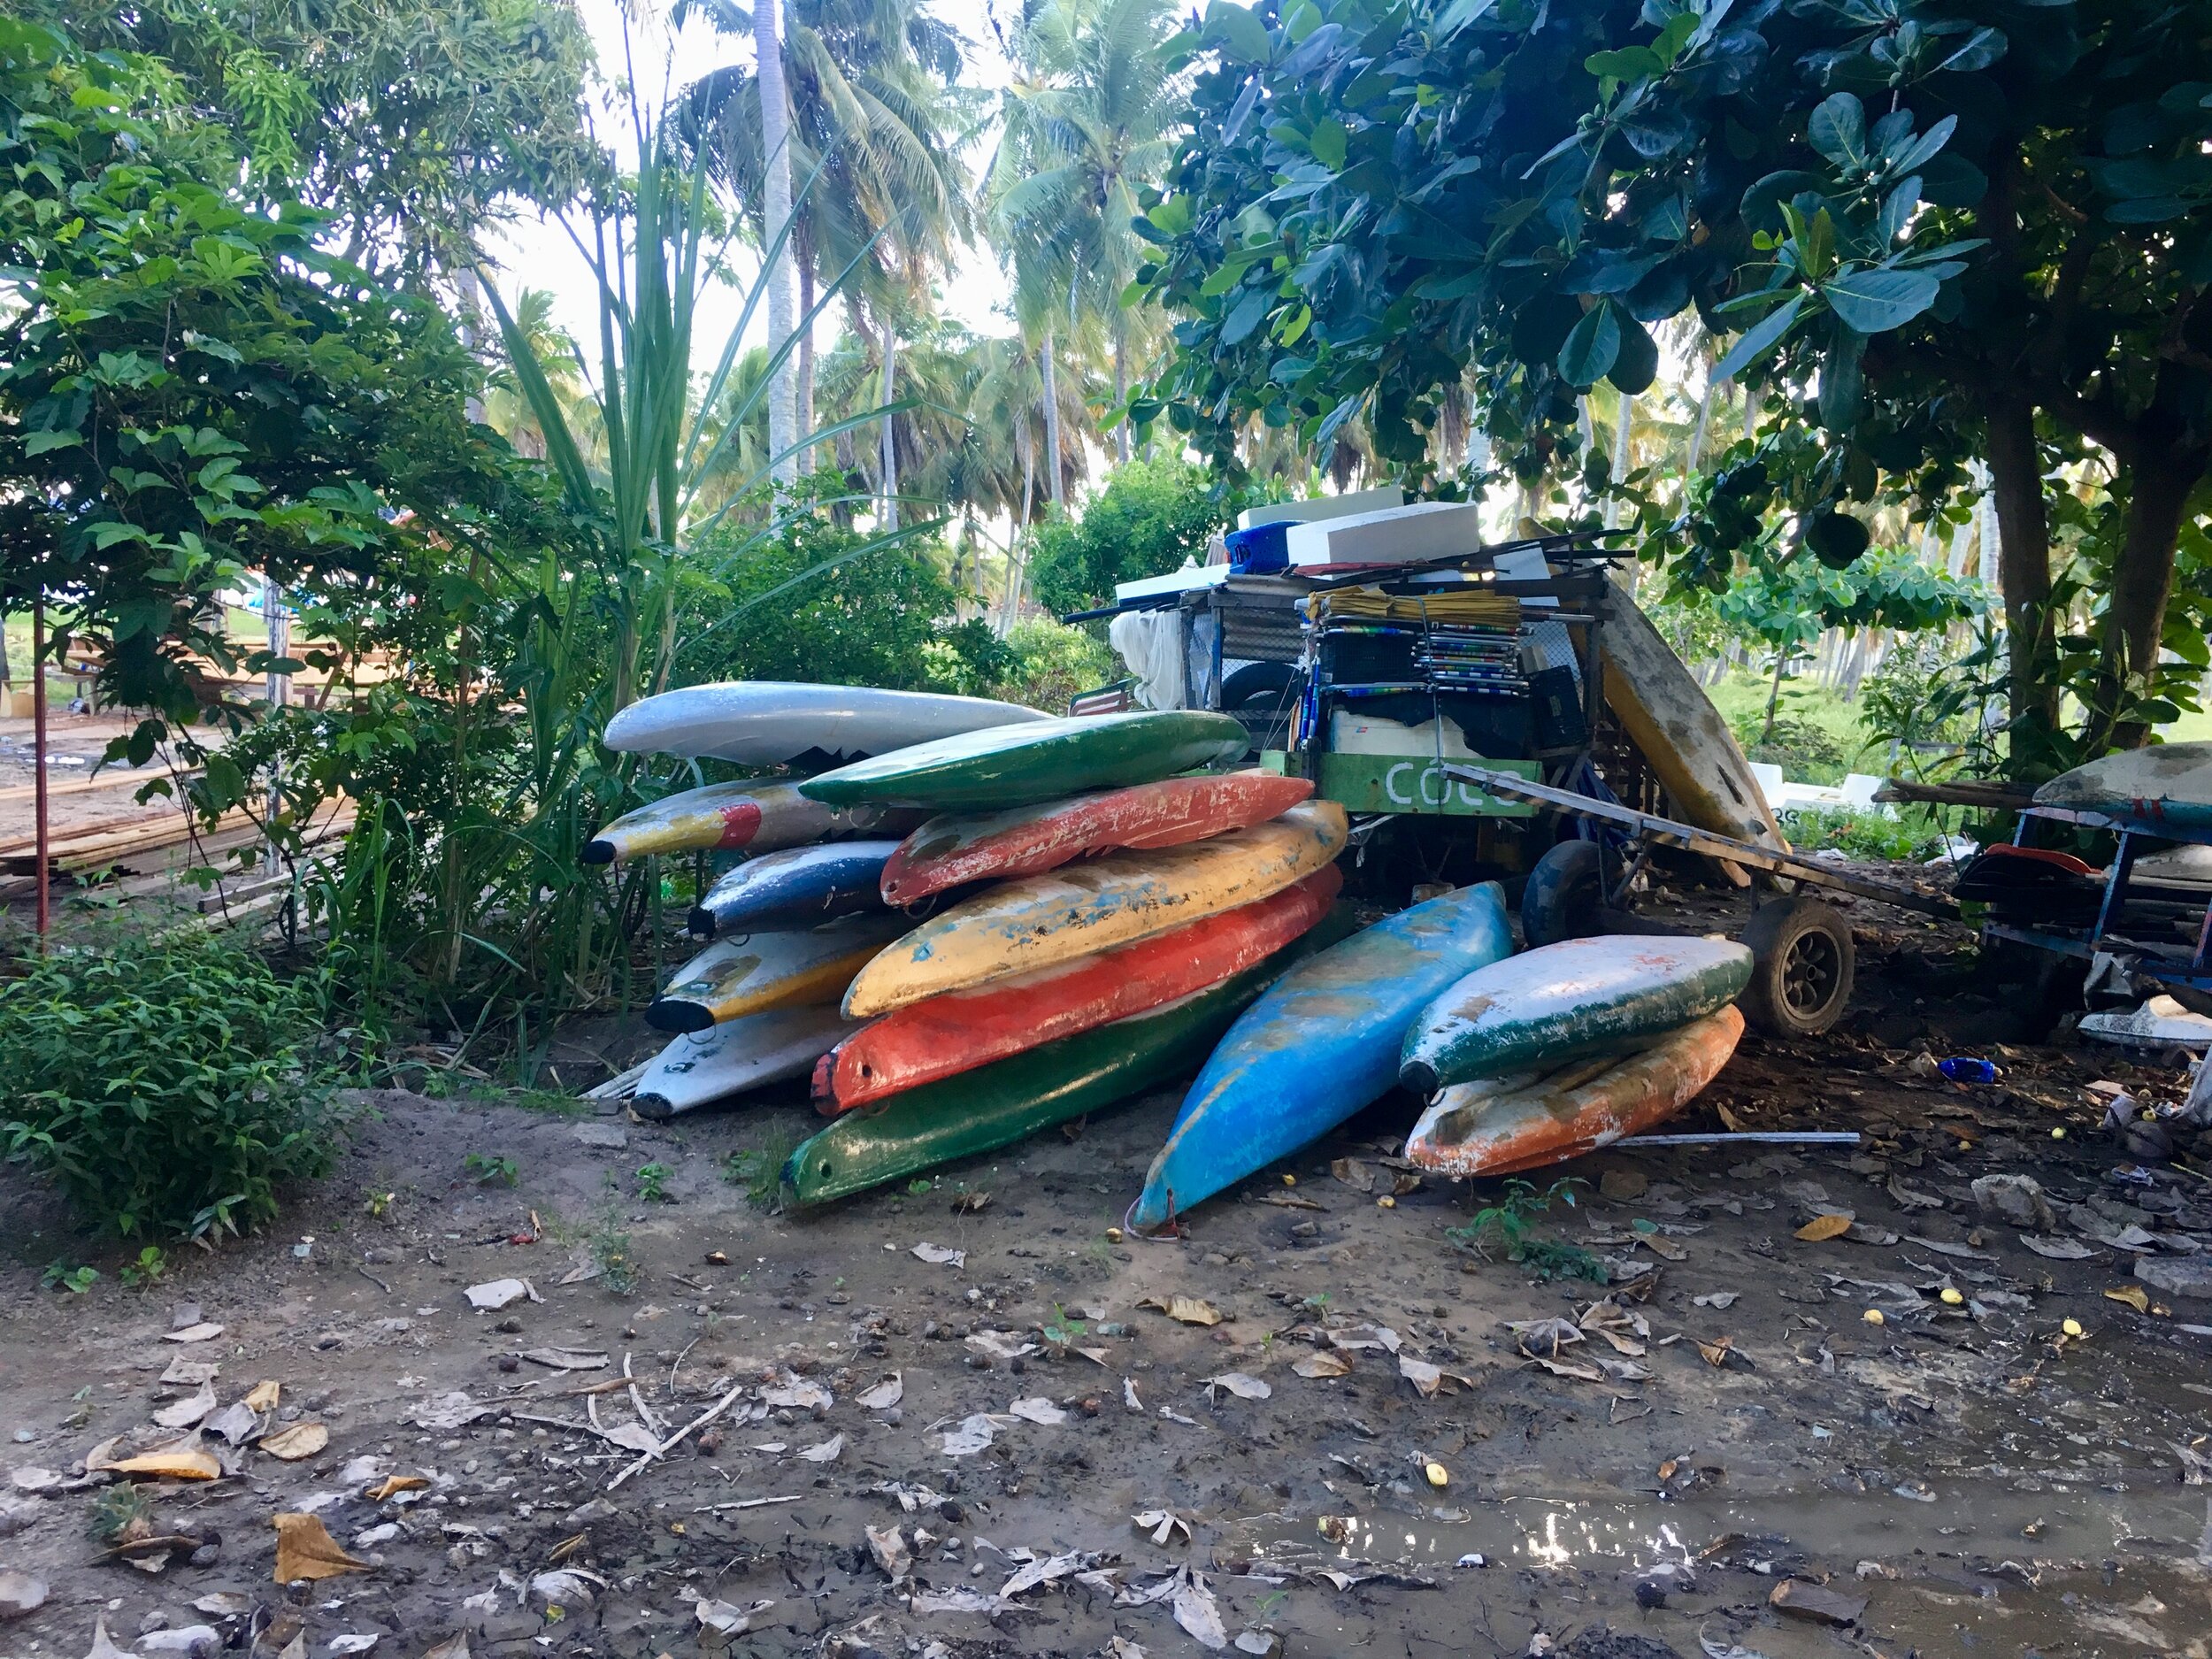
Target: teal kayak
[1044,760]
[1319,1047]
[1578,1000]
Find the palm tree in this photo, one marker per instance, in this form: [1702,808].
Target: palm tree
[878,122]
[775,145]
[508,411]
[1087,125]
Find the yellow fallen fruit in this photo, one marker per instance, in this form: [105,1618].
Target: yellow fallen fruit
[1385,1202]
[2059,1133]
[1290,1180]
[1113,1235]
[1873,1316]
[2072,1327]
[171,1465]
[1438,1475]
[1951,1297]
[305,1550]
[2134,1295]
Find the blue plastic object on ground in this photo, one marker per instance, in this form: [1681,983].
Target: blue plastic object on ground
[1962,1069]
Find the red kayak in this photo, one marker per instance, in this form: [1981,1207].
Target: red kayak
[952,850]
[945,1035]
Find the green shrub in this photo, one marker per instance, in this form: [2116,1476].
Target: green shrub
[1151,516]
[170,1086]
[1863,833]
[1054,663]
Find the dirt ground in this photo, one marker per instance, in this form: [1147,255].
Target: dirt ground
[1963,1476]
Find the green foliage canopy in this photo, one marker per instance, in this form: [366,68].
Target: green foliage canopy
[1151,516]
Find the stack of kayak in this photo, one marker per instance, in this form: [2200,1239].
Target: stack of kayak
[1107,910]
[1531,1059]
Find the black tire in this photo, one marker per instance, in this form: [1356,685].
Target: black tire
[1802,966]
[1264,697]
[1565,895]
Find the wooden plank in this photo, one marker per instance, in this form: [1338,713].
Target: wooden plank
[1992,794]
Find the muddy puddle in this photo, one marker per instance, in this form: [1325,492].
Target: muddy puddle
[1978,1568]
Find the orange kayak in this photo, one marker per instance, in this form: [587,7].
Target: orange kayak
[963,1030]
[1503,1124]
[959,847]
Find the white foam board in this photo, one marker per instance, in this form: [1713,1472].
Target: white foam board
[1418,530]
[1322,507]
[1190,578]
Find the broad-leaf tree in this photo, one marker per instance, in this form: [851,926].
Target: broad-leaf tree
[1931,230]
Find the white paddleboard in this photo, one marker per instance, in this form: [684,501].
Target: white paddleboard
[699,1070]
[770,722]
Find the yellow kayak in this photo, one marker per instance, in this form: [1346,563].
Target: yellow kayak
[1043,920]
[758,972]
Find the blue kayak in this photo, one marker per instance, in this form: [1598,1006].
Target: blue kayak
[795,887]
[1319,1046]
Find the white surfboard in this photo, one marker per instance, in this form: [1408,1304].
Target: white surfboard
[699,1070]
[2166,783]
[769,722]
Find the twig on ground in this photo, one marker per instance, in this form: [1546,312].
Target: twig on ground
[681,1435]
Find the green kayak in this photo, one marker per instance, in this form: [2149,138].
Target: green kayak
[997,1104]
[1006,767]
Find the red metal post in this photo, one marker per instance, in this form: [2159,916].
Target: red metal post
[38,748]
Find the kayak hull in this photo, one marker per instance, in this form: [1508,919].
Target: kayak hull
[752,817]
[774,723]
[1499,1126]
[1041,921]
[948,851]
[793,889]
[1021,766]
[1612,994]
[1319,1046]
[944,1036]
[694,1073]
[982,1110]
[2169,784]
[733,978]
[1680,734]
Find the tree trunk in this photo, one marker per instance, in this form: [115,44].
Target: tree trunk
[1622,424]
[802,386]
[1052,425]
[2156,490]
[2023,566]
[887,445]
[775,131]
[1121,388]
[1697,434]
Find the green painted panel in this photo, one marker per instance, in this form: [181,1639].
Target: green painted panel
[1412,783]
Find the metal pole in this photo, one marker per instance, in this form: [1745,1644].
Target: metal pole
[38,752]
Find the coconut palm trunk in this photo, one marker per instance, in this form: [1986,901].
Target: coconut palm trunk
[802,385]
[888,445]
[1052,423]
[775,140]
[1121,389]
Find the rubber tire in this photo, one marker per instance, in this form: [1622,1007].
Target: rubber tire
[1264,697]
[1565,895]
[1797,933]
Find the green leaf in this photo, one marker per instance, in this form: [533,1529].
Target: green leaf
[1756,341]
[1637,365]
[1876,300]
[1250,311]
[1591,347]
[1328,143]
[1626,62]
[1838,131]
[40,442]
[1237,33]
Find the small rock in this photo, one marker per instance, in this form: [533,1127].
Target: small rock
[2178,1276]
[20,1594]
[1802,1598]
[348,1644]
[1624,1185]
[568,1591]
[36,1480]
[605,1137]
[2016,1200]
[589,1514]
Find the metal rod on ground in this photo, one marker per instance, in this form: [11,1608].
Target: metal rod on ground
[38,751]
[1748,1137]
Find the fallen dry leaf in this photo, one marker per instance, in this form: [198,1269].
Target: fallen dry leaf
[1821,1228]
[888,1546]
[969,1204]
[825,1452]
[204,1332]
[1038,1409]
[1716,1353]
[1162,1524]
[1244,1386]
[305,1550]
[103,1644]
[170,1465]
[1427,1379]
[883,1395]
[263,1396]
[302,1440]
[184,1413]
[1197,1613]
[938,1255]
[392,1484]
[1575,1368]
[452,1648]
[2134,1295]
[1187,1309]
[1325,1363]
[1354,1174]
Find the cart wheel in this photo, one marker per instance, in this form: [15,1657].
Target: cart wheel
[1565,895]
[1801,962]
